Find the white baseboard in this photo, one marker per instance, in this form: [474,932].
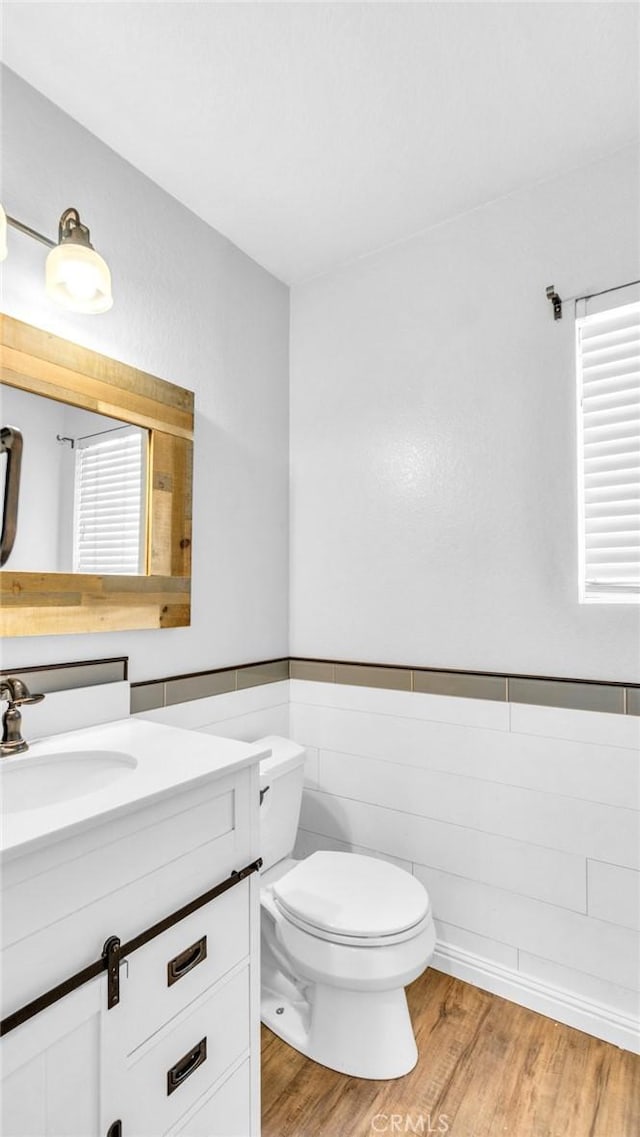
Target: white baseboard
[556,1003]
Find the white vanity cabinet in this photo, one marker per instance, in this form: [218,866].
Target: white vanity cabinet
[179,1052]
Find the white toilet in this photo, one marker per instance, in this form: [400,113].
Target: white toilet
[342,935]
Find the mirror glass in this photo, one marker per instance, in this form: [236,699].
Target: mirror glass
[83,488]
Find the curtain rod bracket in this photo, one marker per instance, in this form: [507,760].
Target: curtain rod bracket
[552,295]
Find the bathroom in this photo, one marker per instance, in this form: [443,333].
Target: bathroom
[351,256]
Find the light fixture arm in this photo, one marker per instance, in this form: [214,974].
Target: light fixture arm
[70,228]
[29,232]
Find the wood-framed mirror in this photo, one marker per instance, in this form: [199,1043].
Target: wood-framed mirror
[103,454]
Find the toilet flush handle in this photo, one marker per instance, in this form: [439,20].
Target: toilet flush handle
[263,792]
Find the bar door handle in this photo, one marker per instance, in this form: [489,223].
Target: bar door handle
[183,1069]
[11,445]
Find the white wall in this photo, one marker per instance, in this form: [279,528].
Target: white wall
[433,440]
[193,309]
[523,823]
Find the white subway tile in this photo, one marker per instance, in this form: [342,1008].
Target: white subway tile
[391,737]
[248,727]
[607,774]
[613,893]
[406,704]
[308,843]
[583,726]
[544,873]
[217,708]
[590,987]
[579,827]
[592,772]
[568,938]
[504,954]
[311,768]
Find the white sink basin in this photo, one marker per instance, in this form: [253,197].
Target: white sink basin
[46,779]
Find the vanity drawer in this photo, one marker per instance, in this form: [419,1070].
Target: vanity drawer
[168,1074]
[227,1113]
[168,973]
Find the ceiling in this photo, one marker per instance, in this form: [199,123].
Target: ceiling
[313,133]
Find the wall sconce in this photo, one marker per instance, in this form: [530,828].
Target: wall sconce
[76,276]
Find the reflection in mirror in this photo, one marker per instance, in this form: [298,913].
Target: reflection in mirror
[83,491]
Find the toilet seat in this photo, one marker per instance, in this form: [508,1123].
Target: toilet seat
[337,897]
[353,941]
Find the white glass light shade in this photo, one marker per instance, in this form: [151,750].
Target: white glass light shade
[3,234]
[78,278]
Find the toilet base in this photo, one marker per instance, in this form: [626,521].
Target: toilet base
[366,1034]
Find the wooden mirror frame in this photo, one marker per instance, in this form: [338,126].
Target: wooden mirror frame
[51,603]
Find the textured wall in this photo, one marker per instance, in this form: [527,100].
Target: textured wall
[433,440]
[191,308]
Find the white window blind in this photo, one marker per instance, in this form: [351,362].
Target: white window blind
[110,505]
[608,366]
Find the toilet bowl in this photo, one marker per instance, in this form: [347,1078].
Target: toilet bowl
[342,935]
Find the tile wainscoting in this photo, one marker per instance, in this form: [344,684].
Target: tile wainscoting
[523,821]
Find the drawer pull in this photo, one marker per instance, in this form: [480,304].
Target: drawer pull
[188,959]
[185,1067]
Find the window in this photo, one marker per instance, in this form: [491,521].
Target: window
[608,367]
[109,522]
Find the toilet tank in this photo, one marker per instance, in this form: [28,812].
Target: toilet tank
[281,779]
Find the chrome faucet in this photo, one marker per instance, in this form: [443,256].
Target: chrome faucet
[16,693]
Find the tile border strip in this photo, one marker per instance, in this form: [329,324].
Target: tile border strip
[50,677]
[537,690]
[156,693]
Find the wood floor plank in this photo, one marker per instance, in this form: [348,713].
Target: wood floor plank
[487,1068]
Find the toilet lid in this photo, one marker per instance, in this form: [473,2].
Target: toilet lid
[352,895]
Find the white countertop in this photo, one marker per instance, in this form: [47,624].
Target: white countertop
[167,759]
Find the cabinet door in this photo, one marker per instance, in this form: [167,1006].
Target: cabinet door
[51,1068]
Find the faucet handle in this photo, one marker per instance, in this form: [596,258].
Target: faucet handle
[28,701]
[21,695]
